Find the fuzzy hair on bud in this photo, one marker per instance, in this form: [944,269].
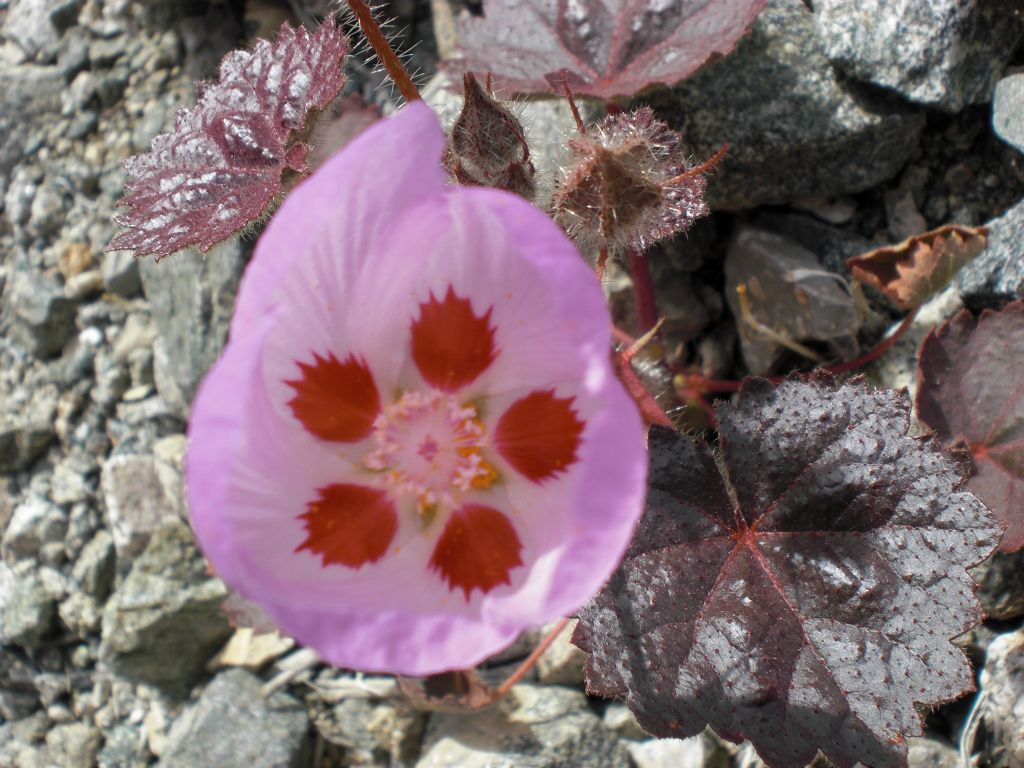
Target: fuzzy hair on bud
[487,147]
[627,184]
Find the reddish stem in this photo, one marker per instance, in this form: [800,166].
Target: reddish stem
[878,350]
[530,660]
[643,289]
[383,49]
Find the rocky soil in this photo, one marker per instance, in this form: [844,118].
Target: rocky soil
[114,648]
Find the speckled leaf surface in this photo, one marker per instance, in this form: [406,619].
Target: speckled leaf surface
[802,591]
[971,392]
[600,48]
[221,167]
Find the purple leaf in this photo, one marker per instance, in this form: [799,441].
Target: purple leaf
[222,166]
[802,591]
[970,392]
[600,48]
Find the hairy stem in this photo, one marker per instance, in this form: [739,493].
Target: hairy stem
[530,660]
[384,51]
[643,289]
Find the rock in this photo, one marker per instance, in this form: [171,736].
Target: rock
[141,493]
[1008,110]
[30,98]
[1002,585]
[373,732]
[1002,686]
[38,313]
[123,748]
[997,275]
[80,614]
[233,724]
[696,752]
[621,721]
[26,426]
[533,727]
[28,612]
[29,27]
[897,368]
[562,663]
[192,298]
[34,523]
[74,745]
[93,572]
[942,53]
[931,753]
[791,124]
[49,207]
[121,274]
[163,623]
[788,292]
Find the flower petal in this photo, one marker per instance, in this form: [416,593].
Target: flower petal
[335,400]
[350,525]
[451,344]
[539,434]
[477,549]
[388,168]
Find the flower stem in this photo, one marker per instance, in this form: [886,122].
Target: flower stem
[530,660]
[383,49]
[643,289]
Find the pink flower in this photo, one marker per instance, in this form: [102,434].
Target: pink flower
[414,445]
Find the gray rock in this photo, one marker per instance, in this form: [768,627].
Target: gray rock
[163,623]
[35,522]
[997,275]
[943,53]
[30,98]
[26,426]
[93,572]
[533,727]
[38,313]
[621,721]
[1002,585]
[931,753]
[788,292]
[29,27]
[74,745]
[233,724]
[191,298]
[1002,686]
[562,663]
[696,752]
[28,613]
[123,747]
[81,614]
[1008,110]
[373,732]
[791,124]
[121,274]
[49,208]
[141,493]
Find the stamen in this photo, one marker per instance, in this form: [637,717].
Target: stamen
[429,447]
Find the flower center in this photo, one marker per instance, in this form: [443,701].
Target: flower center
[429,447]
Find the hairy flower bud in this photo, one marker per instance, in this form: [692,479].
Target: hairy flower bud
[627,184]
[487,147]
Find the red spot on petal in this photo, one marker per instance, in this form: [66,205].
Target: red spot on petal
[349,525]
[477,549]
[452,345]
[539,435]
[335,400]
